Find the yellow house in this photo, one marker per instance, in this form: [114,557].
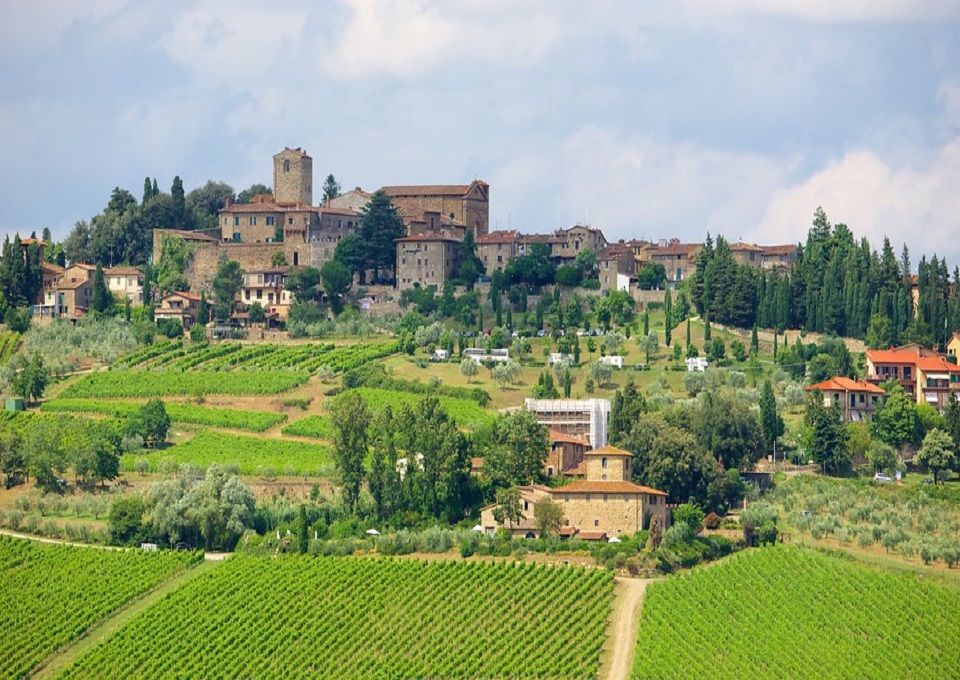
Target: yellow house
[603,505]
[953,347]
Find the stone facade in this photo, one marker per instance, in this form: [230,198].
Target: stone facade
[606,503]
[468,205]
[498,248]
[679,260]
[181,307]
[615,267]
[293,177]
[425,260]
[566,455]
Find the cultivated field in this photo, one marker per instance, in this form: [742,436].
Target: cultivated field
[366,618]
[787,612]
[51,594]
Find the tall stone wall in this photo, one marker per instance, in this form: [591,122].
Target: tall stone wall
[293,177]
[206,258]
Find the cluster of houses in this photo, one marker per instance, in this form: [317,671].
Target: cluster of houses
[926,376]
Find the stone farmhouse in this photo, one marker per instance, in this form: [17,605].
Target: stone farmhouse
[603,505]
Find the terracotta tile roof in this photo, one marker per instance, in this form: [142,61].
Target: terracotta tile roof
[429,238]
[190,235]
[605,487]
[580,470]
[592,535]
[338,211]
[499,237]
[258,207]
[902,356]
[564,438]
[28,241]
[778,250]
[83,265]
[428,190]
[183,294]
[73,284]
[51,267]
[567,531]
[608,451]
[847,385]
[476,463]
[300,152]
[678,249]
[614,252]
[740,245]
[122,271]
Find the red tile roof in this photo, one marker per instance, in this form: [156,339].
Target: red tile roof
[122,271]
[73,284]
[564,438]
[417,238]
[847,385]
[608,451]
[902,356]
[51,267]
[183,294]
[428,190]
[499,237]
[606,487]
[778,250]
[745,246]
[677,249]
[592,535]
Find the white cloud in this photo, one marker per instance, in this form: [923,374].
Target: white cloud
[875,197]
[34,26]
[829,11]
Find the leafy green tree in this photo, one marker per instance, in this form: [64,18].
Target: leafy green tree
[337,281]
[379,226]
[600,372]
[739,351]
[349,421]
[31,376]
[716,349]
[352,252]
[469,369]
[936,453]
[654,535]
[205,203]
[469,266]
[226,284]
[519,448]
[533,268]
[303,283]
[881,455]
[771,422]
[203,310]
[727,429]
[126,520]
[151,423]
[102,298]
[331,189]
[548,515]
[896,421]
[625,410]
[303,530]
[828,437]
[509,510]
[652,276]
[247,195]
[690,514]
[648,344]
[257,313]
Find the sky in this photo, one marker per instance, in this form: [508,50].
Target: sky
[645,119]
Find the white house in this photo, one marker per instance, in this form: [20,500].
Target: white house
[557,357]
[615,360]
[440,355]
[697,364]
[480,356]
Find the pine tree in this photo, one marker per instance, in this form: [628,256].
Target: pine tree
[147,191]
[179,203]
[102,299]
[331,189]
[203,309]
[668,317]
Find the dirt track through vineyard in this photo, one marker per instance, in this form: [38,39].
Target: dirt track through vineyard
[623,627]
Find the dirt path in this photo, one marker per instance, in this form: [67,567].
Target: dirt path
[64,657]
[56,541]
[623,628]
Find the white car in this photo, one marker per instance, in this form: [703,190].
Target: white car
[880,477]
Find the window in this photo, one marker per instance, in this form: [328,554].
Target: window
[296,258]
[236,220]
[526,506]
[270,219]
[596,522]
[253,220]
[259,293]
[550,471]
[604,498]
[286,166]
[566,497]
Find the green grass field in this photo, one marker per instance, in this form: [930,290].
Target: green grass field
[787,612]
[164,383]
[466,412]
[255,421]
[51,594]
[252,455]
[306,617]
[316,427]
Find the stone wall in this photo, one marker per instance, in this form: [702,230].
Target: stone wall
[293,177]
[206,258]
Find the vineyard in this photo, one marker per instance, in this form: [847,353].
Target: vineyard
[254,421]
[466,412]
[790,613]
[229,355]
[8,346]
[167,383]
[53,593]
[366,618]
[251,455]
[316,427]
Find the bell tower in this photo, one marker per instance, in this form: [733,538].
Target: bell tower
[293,177]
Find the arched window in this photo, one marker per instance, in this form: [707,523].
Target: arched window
[603,462]
[286,166]
[296,258]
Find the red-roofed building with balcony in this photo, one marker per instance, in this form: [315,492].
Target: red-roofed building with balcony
[857,399]
[925,376]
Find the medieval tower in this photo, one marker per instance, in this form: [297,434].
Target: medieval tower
[293,177]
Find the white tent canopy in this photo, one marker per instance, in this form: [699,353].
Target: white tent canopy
[614,539]
[373,532]
[477,528]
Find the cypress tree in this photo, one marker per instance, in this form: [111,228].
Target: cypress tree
[147,190]
[179,202]
[688,331]
[754,342]
[646,322]
[668,317]
[102,298]
[706,328]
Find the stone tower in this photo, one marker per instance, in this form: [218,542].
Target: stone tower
[293,177]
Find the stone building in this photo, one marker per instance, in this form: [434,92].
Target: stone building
[426,260]
[616,265]
[679,260]
[180,306]
[605,504]
[267,287]
[498,248]
[125,283]
[466,204]
[566,454]
[293,177]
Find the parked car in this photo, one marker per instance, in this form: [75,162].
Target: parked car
[880,477]
[541,333]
